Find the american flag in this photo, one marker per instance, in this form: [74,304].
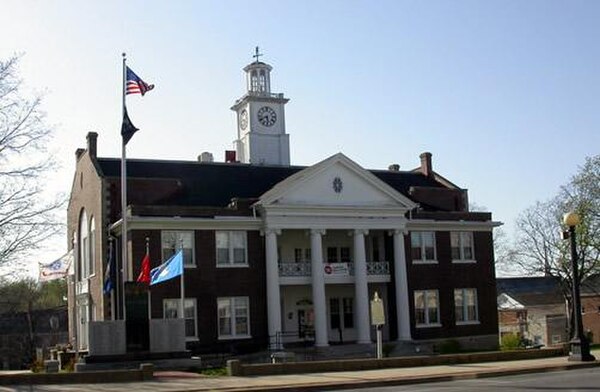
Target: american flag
[135,85]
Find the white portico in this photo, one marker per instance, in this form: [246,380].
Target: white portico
[333,212]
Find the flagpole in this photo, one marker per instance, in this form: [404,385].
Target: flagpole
[149,293]
[111,256]
[182,285]
[75,307]
[124,261]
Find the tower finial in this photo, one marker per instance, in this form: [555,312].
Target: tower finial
[257,54]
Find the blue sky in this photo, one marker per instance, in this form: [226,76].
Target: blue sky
[505,94]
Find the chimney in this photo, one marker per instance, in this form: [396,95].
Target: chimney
[92,142]
[394,167]
[426,166]
[79,152]
[205,157]
[230,156]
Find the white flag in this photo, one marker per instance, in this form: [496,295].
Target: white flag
[57,269]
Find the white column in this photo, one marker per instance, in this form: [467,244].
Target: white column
[361,288]
[273,294]
[400,276]
[318,288]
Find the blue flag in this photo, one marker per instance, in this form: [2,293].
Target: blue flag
[170,269]
[110,273]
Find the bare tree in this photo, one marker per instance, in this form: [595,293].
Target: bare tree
[26,218]
[540,248]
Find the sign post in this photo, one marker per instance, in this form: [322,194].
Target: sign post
[378,320]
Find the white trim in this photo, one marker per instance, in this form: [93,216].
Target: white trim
[459,261]
[461,225]
[179,223]
[235,337]
[334,211]
[425,262]
[473,322]
[339,222]
[434,325]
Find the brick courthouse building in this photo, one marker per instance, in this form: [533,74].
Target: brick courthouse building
[276,253]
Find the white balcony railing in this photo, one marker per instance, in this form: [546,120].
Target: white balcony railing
[304,269]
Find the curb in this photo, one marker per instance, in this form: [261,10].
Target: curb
[396,381]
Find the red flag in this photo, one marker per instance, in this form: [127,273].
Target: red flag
[144,276]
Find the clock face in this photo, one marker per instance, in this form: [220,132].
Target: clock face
[243,119]
[266,116]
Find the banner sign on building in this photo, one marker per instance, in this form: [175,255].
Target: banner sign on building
[336,269]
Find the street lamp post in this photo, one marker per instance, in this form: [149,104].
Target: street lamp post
[580,347]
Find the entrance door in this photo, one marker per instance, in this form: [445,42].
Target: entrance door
[306,319]
[82,326]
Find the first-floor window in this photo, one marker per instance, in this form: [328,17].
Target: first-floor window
[171,310]
[465,305]
[231,248]
[427,307]
[174,240]
[341,309]
[234,317]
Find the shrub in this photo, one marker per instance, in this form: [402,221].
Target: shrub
[37,366]
[387,349]
[510,342]
[450,346]
[214,372]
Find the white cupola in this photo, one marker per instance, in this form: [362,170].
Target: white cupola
[262,139]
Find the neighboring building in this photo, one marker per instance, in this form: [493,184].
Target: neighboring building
[534,309]
[278,253]
[590,307]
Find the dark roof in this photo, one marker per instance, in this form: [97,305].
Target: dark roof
[215,184]
[531,290]
[591,285]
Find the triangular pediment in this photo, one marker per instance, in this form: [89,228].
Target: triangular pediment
[336,181]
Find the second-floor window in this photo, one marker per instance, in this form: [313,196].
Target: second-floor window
[423,246]
[231,248]
[173,240]
[462,246]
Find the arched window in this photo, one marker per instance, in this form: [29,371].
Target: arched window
[84,247]
[92,240]
[262,81]
[254,81]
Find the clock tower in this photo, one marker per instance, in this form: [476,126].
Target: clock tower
[261,137]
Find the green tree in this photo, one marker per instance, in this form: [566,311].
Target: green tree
[26,296]
[26,219]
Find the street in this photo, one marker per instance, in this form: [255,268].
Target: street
[572,380]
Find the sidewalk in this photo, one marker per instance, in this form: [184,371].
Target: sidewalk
[179,381]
